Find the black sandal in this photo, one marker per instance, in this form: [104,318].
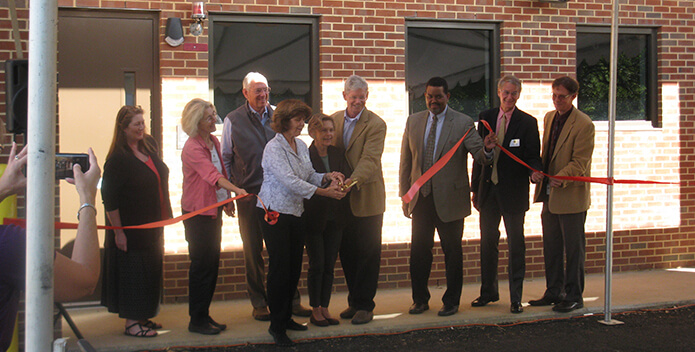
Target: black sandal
[152,325]
[143,332]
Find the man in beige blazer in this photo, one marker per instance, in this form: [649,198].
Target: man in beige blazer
[444,201]
[361,134]
[568,144]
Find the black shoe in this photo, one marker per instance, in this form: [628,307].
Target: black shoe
[418,308]
[567,306]
[205,329]
[481,302]
[448,310]
[301,311]
[222,327]
[348,313]
[281,338]
[516,308]
[293,325]
[544,301]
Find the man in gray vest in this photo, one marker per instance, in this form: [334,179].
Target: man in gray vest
[244,135]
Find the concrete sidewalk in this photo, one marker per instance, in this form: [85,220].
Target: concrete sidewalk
[631,290]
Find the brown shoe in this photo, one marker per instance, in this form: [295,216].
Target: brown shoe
[261,314]
[362,317]
[348,313]
[301,311]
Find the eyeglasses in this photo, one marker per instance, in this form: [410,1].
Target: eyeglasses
[508,93]
[258,91]
[214,118]
[561,97]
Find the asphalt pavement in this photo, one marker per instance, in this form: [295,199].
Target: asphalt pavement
[630,291]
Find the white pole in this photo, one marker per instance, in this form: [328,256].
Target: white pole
[41,121]
[613,82]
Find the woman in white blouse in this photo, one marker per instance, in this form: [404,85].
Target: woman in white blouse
[288,179]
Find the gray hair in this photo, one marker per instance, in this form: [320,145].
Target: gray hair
[252,77]
[355,82]
[509,79]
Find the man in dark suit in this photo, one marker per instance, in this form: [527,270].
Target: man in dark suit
[444,201]
[501,191]
[361,134]
[568,145]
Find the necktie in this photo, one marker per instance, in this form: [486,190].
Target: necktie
[500,137]
[429,156]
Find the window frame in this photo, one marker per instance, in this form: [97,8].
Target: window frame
[314,55]
[495,47]
[652,109]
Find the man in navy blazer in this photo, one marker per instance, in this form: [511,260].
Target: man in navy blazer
[444,201]
[501,191]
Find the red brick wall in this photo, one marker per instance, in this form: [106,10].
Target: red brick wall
[653,224]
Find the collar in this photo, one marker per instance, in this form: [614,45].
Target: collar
[440,115]
[355,119]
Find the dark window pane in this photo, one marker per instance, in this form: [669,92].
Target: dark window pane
[461,56]
[593,70]
[280,51]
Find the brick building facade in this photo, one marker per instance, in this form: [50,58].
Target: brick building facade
[654,224]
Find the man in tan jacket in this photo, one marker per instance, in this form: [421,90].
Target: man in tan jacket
[568,144]
[361,134]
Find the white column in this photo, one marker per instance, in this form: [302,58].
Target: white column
[40,205]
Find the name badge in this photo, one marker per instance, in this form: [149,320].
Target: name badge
[515,142]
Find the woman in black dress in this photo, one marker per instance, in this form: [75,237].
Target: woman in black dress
[135,191]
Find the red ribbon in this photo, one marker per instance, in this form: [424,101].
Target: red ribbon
[408,197]
[432,170]
[602,180]
[270,216]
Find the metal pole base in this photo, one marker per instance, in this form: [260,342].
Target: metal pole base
[611,322]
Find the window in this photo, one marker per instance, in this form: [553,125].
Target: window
[465,54]
[282,48]
[636,87]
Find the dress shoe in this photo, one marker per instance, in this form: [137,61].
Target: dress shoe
[544,301]
[293,325]
[362,317]
[516,308]
[481,301]
[348,313]
[261,314]
[418,308]
[332,321]
[448,310]
[222,327]
[281,338]
[567,306]
[322,322]
[300,311]
[205,329]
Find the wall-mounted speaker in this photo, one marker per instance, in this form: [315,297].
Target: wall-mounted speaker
[16,93]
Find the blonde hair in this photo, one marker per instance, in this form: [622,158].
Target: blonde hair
[316,123]
[193,113]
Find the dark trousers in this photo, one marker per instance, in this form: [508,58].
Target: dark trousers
[563,234]
[490,216]
[285,244]
[322,245]
[360,256]
[204,234]
[252,238]
[425,221]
